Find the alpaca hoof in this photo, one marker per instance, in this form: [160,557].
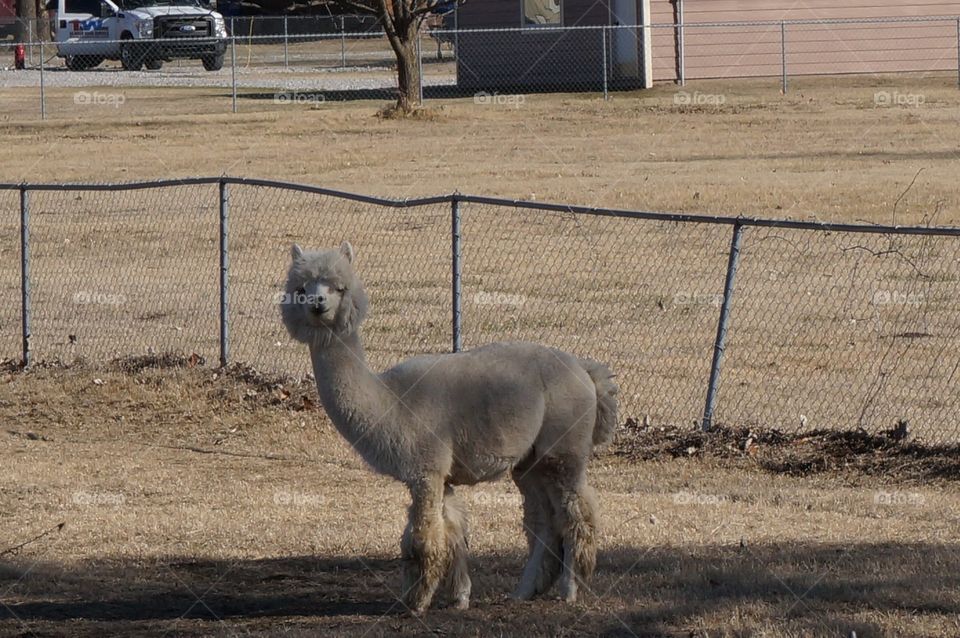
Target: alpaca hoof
[521,594]
[569,595]
[462,604]
[568,590]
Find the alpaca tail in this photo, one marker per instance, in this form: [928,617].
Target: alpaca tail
[606,400]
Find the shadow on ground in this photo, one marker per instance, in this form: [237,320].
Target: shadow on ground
[696,590]
[504,96]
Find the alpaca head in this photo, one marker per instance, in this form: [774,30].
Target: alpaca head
[323,297]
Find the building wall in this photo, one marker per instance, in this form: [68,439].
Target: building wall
[731,51]
[529,58]
[505,14]
[515,59]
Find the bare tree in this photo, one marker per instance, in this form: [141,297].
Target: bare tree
[401,20]
[43,22]
[26,19]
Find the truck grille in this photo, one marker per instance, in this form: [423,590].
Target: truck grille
[182,27]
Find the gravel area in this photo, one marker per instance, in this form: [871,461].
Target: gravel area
[191,76]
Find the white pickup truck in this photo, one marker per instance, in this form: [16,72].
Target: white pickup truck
[139,33]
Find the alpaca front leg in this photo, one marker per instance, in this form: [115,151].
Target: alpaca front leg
[425,550]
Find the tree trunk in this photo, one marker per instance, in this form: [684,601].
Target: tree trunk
[43,23]
[408,67]
[408,78]
[27,18]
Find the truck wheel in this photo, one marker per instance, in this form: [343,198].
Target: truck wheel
[131,55]
[212,62]
[154,65]
[83,62]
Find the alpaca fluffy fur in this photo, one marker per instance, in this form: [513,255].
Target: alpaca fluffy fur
[438,421]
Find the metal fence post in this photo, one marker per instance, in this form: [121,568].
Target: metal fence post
[783,56]
[43,101]
[343,44]
[419,67]
[603,40]
[233,71]
[722,325]
[25,274]
[224,271]
[286,58]
[457,292]
[681,54]
[456,41]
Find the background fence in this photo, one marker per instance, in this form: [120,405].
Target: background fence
[792,325]
[313,59]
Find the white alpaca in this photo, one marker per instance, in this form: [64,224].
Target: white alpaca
[437,421]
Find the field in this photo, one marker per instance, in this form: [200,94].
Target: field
[825,150]
[199,502]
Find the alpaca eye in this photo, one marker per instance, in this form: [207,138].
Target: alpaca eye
[340,289]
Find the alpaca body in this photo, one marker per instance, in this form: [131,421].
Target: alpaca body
[497,404]
[437,421]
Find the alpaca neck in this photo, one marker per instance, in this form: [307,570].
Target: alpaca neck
[353,396]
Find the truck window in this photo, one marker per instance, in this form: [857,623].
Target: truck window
[83,6]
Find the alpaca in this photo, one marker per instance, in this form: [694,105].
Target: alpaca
[439,421]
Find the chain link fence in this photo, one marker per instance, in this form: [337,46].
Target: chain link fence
[10,285]
[264,62]
[747,322]
[405,252]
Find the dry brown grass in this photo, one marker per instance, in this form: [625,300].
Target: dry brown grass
[186,483]
[824,150]
[174,482]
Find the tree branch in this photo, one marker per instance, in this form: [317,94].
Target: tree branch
[359,6]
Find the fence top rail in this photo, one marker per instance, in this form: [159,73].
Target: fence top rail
[319,190]
[946,231]
[729,23]
[949,231]
[103,186]
[606,27]
[248,181]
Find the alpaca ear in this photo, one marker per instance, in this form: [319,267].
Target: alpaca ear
[296,252]
[347,251]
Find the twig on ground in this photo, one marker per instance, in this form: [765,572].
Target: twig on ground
[13,550]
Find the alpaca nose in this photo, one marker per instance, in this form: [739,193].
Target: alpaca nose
[319,304]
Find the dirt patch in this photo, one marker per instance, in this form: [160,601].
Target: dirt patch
[426,114]
[888,455]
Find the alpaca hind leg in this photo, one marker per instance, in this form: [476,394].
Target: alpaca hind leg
[577,522]
[457,582]
[543,542]
[424,547]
